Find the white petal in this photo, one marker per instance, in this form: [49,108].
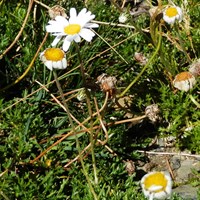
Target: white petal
[52,22]
[56,40]
[154,188]
[49,65]
[61,20]
[54,64]
[70,38]
[160,195]
[86,34]
[64,63]
[42,57]
[54,28]
[66,44]
[91,25]
[59,34]
[82,12]
[77,39]
[84,19]
[180,14]
[50,28]
[169,20]
[73,13]
[59,65]
[74,20]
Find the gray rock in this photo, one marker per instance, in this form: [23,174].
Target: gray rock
[187,192]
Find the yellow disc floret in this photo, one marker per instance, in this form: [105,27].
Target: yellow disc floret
[156,179]
[72,29]
[171,12]
[54,54]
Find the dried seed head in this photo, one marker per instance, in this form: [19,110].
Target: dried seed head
[184,81]
[195,68]
[57,11]
[130,167]
[140,58]
[152,112]
[107,83]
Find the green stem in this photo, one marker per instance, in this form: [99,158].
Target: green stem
[145,67]
[74,130]
[90,113]
[63,100]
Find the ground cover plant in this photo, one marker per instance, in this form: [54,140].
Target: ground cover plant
[88,89]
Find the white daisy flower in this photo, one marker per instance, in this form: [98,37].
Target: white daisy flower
[73,29]
[184,81]
[54,58]
[172,13]
[156,185]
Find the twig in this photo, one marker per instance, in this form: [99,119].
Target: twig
[77,157]
[118,25]
[170,168]
[101,122]
[42,4]
[168,153]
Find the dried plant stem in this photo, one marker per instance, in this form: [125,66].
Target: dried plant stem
[146,66]
[42,4]
[168,153]
[101,122]
[77,157]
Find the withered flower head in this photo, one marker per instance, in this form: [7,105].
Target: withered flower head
[140,58]
[107,83]
[152,112]
[130,166]
[184,81]
[57,11]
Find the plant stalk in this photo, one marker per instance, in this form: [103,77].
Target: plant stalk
[74,130]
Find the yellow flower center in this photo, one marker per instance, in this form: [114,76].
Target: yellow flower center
[54,54]
[171,12]
[72,29]
[156,179]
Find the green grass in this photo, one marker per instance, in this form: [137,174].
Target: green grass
[31,121]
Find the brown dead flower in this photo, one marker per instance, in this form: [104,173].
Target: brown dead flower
[184,81]
[57,11]
[107,83]
[153,113]
[140,58]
